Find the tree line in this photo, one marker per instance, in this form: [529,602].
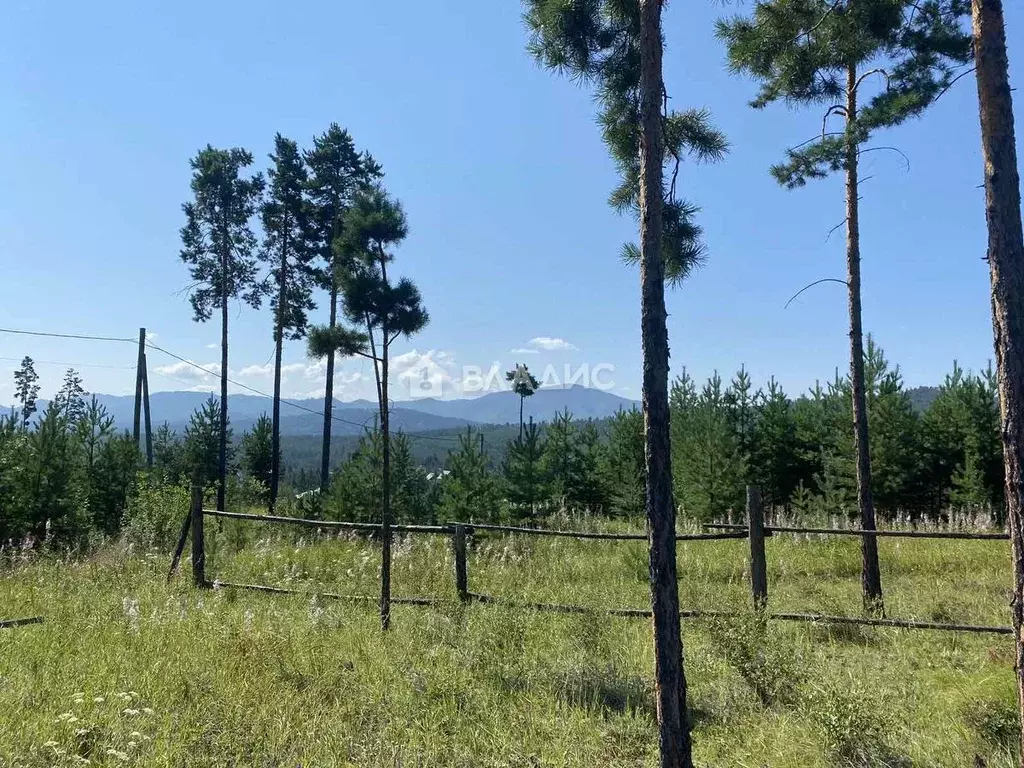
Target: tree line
[930,460]
[307,224]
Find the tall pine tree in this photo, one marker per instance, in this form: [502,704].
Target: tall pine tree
[336,172]
[373,226]
[1005,257]
[219,247]
[832,52]
[618,46]
[286,249]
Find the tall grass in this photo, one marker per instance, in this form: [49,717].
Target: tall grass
[129,671]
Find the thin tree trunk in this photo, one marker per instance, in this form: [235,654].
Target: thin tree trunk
[385,429]
[222,455]
[385,530]
[376,370]
[521,400]
[871,579]
[1006,267]
[275,431]
[325,453]
[670,680]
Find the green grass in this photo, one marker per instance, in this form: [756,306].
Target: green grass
[130,671]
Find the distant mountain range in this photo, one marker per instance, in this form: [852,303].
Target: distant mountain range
[425,415]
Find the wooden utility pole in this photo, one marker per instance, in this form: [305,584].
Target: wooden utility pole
[148,419]
[1006,270]
[139,367]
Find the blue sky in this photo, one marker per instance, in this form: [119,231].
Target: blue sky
[504,178]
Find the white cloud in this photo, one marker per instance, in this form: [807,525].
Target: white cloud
[150,336]
[551,344]
[267,370]
[188,370]
[524,351]
[425,374]
[215,345]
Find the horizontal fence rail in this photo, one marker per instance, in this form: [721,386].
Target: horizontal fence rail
[900,534]
[337,524]
[327,595]
[755,531]
[635,613]
[469,527]
[5,623]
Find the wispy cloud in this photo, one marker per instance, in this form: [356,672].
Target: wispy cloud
[551,344]
[214,345]
[267,370]
[189,371]
[524,351]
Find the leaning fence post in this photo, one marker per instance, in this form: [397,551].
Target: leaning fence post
[758,562]
[461,571]
[198,544]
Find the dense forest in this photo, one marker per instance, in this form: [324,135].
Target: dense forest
[66,473]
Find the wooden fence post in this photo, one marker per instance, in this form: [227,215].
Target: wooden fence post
[758,562]
[198,544]
[461,571]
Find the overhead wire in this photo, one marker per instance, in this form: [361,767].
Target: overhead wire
[149,344]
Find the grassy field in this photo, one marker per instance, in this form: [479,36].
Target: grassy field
[129,671]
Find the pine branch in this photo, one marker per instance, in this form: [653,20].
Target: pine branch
[837,109]
[813,139]
[891,149]
[878,71]
[814,27]
[831,231]
[952,82]
[811,285]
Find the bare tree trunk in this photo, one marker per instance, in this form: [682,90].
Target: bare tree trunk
[522,399]
[222,456]
[275,431]
[670,680]
[871,579]
[385,475]
[325,453]
[1006,267]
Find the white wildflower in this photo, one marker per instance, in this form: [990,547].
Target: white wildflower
[130,606]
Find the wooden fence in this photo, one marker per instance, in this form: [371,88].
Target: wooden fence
[755,531]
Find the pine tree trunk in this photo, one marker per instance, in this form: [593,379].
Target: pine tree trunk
[870,576]
[385,517]
[385,475]
[222,452]
[325,453]
[1006,267]
[522,399]
[670,680]
[275,432]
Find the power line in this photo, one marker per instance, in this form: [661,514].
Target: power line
[66,335]
[288,402]
[151,345]
[72,365]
